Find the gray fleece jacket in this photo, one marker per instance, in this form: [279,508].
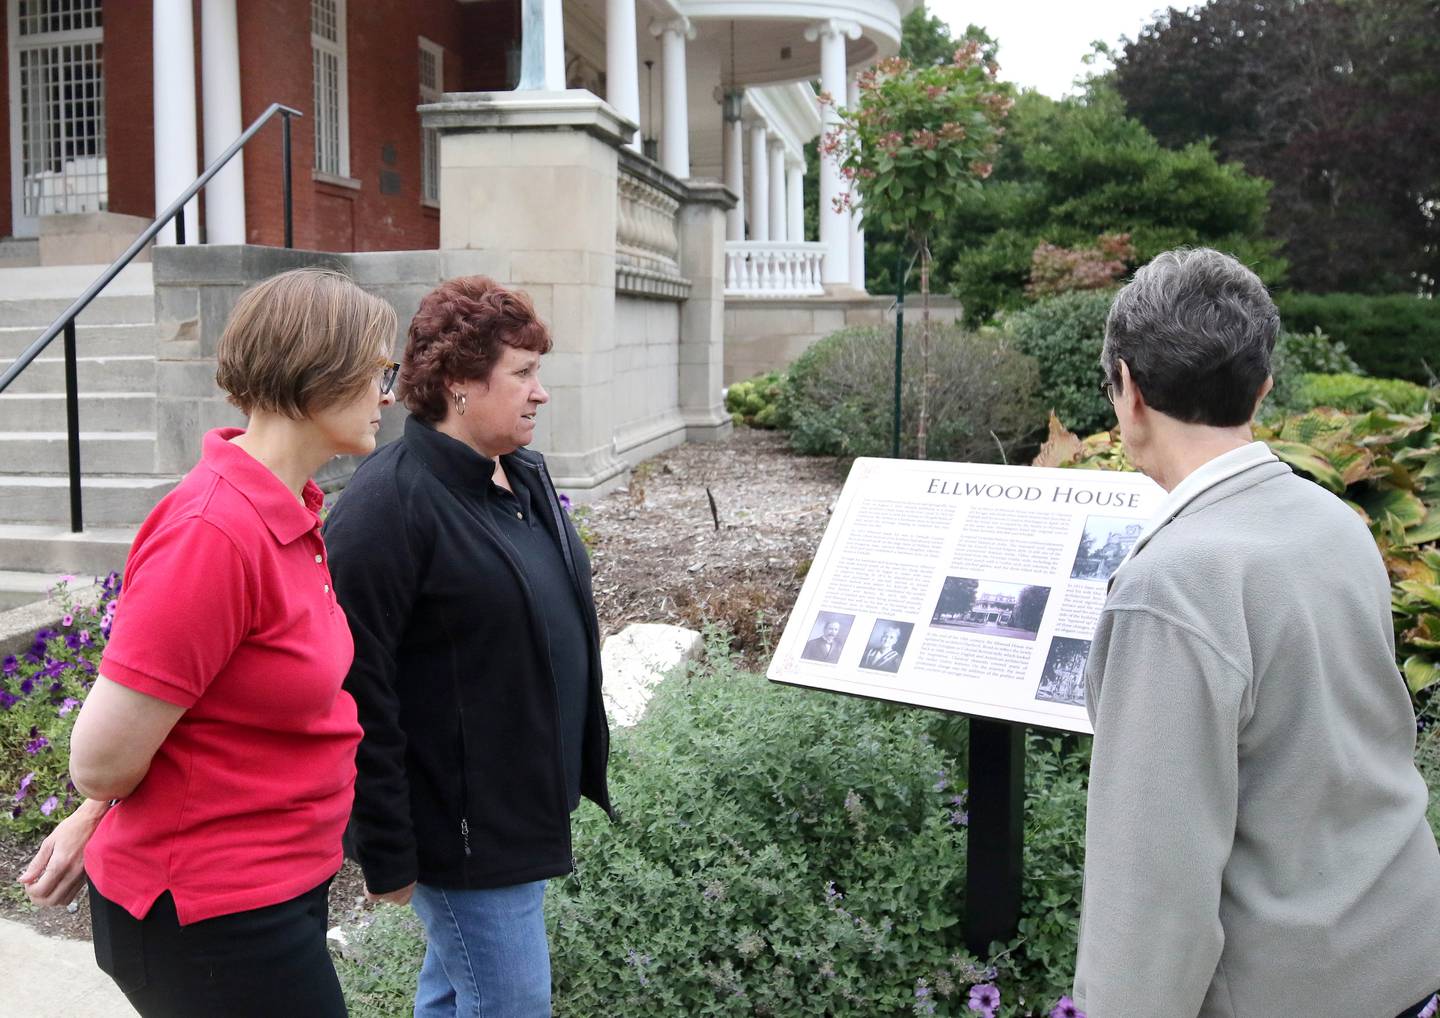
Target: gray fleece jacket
[1256,841]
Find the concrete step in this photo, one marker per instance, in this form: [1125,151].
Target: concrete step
[19,587]
[47,452]
[127,373]
[52,550]
[45,411]
[90,340]
[107,500]
[106,308]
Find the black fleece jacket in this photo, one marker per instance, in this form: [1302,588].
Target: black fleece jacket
[461,779]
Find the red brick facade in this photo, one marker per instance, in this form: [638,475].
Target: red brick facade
[379,208]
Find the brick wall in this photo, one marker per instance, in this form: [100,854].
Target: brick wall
[384,212]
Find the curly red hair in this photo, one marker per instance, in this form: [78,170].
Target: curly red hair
[457,335]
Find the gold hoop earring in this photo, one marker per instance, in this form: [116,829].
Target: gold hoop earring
[459,400]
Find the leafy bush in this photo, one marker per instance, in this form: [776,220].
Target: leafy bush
[1386,466]
[755,402]
[40,691]
[1355,394]
[1395,336]
[782,852]
[840,396]
[1064,335]
[1300,353]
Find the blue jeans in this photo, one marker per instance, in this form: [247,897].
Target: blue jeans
[486,955]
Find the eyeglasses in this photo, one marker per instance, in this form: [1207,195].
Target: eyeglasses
[388,374]
[1107,389]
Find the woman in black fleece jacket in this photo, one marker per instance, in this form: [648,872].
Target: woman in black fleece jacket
[477,656]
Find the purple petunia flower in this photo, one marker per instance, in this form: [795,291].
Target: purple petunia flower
[7,699]
[1432,1008]
[37,741]
[67,620]
[85,640]
[48,806]
[110,606]
[24,788]
[10,665]
[1065,1008]
[53,668]
[72,640]
[67,705]
[565,502]
[27,685]
[985,998]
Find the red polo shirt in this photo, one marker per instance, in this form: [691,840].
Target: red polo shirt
[227,611]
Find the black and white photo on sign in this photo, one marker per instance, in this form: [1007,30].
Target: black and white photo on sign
[991,607]
[827,637]
[1103,546]
[886,646]
[1063,679]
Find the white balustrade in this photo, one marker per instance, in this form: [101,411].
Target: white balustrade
[761,268]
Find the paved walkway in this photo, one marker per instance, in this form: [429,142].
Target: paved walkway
[53,978]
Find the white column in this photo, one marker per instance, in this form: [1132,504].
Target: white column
[675,130]
[759,183]
[735,178]
[776,179]
[542,46]
[622,63]
[795,202]
[834,226]
[220,85]
[857,231]
[173,41]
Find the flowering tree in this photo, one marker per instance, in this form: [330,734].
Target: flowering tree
[918,138]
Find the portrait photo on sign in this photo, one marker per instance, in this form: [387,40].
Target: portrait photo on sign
[1103,546]
[1063,678]
[827,637]
[886,646]
[990,607]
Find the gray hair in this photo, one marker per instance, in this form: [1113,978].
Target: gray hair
[1196,329]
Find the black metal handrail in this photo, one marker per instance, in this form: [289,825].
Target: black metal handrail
[66,322]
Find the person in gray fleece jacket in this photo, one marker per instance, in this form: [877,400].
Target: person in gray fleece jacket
[1256,840]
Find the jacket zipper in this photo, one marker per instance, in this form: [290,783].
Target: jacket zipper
[465,834]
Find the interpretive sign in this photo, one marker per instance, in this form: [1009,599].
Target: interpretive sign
[967,587]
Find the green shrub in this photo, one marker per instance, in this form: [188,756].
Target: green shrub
[783,852]
[1300,353]
[755,402]
[982,394]
[1064,335]
[41,690]
[1396,336]
[1356,394]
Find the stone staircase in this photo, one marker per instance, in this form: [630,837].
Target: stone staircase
[115,344]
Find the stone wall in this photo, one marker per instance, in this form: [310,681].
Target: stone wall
[768,334]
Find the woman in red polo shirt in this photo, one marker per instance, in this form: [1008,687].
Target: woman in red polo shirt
[217,722]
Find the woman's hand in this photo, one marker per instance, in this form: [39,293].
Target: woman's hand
[55,874]
[399,896]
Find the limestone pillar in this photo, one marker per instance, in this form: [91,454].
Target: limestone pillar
[622,62]
[220,85]
[173,54]
[528,186]
[675,128]
[702,316]
[834,226]
[759,182]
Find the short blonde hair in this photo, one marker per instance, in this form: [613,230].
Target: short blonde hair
[302,341]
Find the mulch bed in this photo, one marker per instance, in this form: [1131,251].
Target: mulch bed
[716,534]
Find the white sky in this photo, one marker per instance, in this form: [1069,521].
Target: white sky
[1042,42]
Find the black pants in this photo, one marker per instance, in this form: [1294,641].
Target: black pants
[263,963]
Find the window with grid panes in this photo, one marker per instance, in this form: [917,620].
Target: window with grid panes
[327,51]
[58,54]
[432,87]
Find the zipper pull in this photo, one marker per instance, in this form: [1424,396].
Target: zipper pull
[465,834]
